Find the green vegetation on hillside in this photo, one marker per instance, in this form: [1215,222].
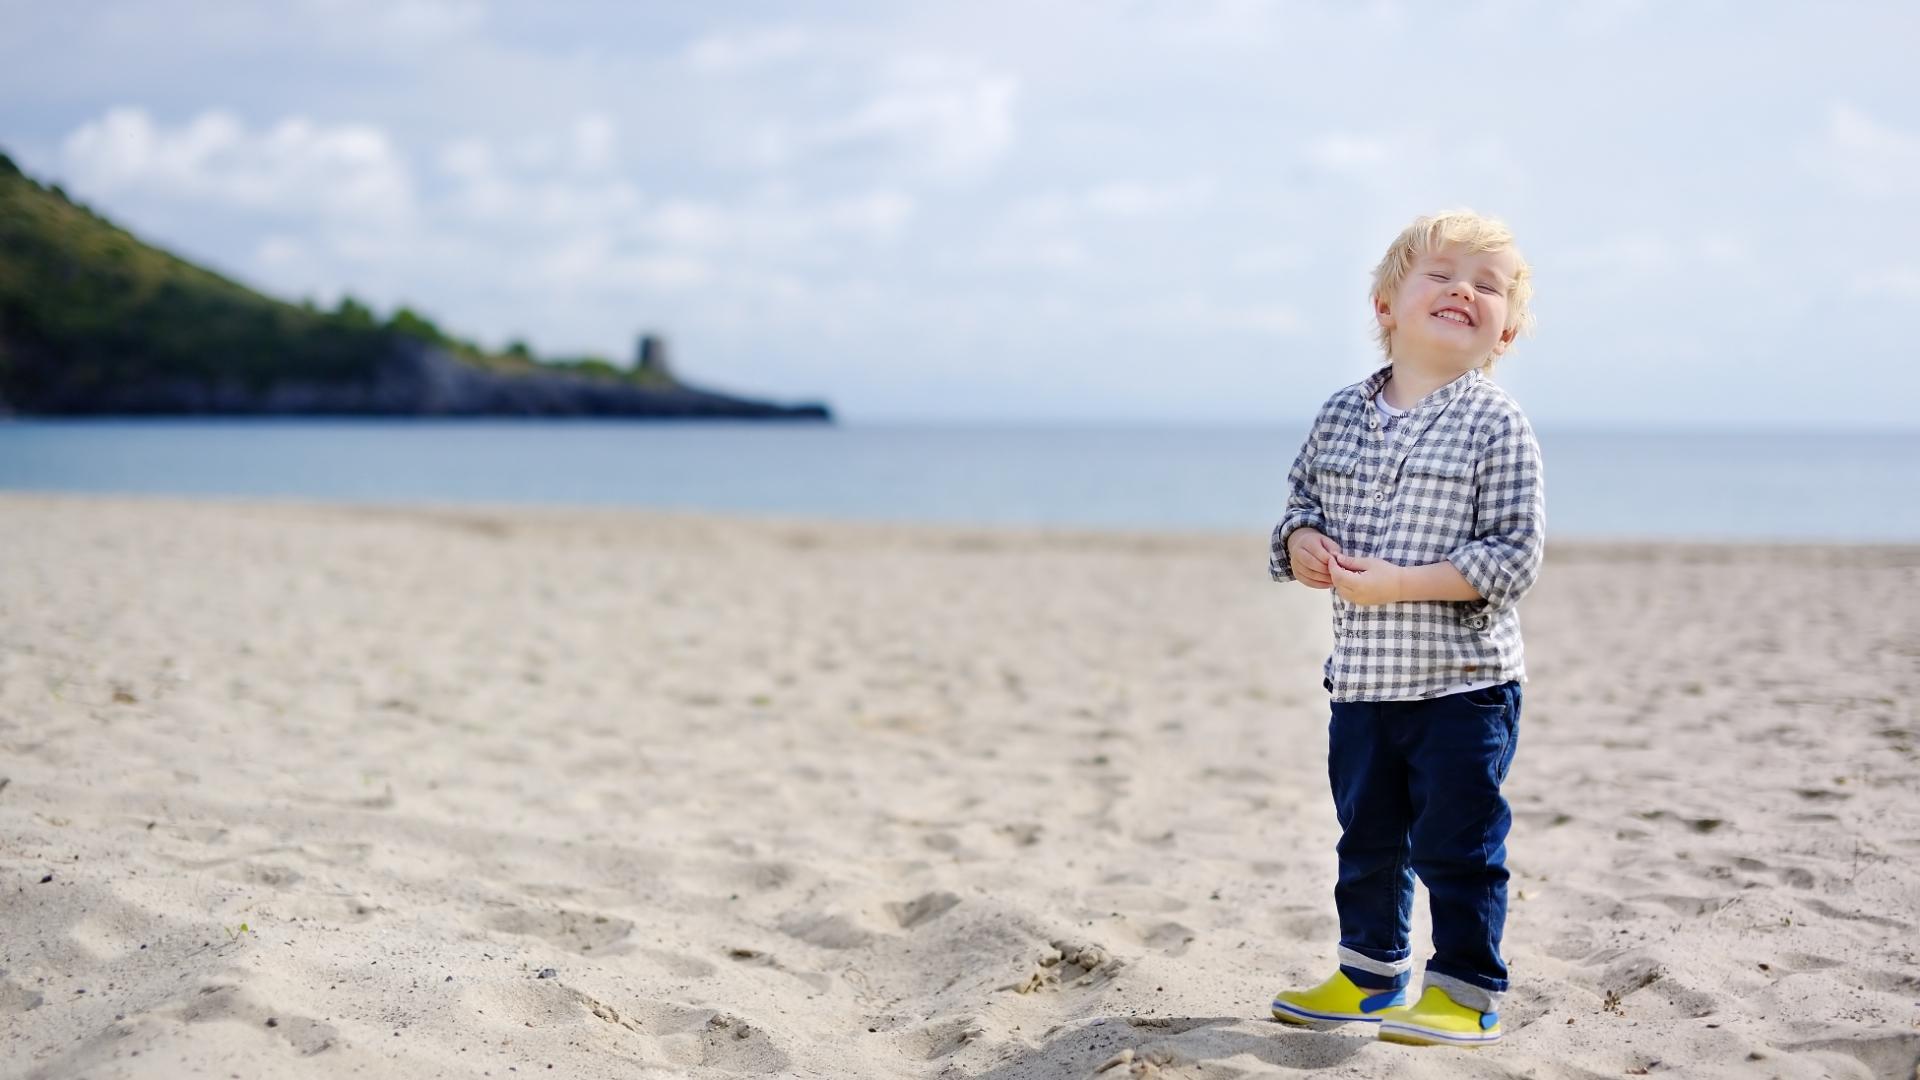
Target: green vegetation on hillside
[85,305]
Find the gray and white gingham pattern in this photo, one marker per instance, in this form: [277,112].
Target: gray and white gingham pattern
[1456,479]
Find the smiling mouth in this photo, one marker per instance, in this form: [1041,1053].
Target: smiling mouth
[1454,315]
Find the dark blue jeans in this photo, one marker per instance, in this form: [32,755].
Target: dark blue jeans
[1417,788]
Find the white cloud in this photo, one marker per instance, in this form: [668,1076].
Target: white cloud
[1649,253]
[593,142]
[1864,155]
[432,18]
[1420,166]
[775,226]
[420,19]
[1637,252]
[1040,253]
[937,120]
[1198,312]
[1899,282]
[468,158]
[1345,152]
[593,261]
[1129,199]
[1269,260]
[1133,199]
[276,252]
[742,51]
[294,167]
[878,215]
[519,189]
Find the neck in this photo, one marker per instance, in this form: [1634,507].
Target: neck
[1413,379]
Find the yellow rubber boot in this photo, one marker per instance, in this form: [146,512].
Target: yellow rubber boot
[1336,1001]
[1438,1020]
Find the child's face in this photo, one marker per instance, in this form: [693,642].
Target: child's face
[1451,311]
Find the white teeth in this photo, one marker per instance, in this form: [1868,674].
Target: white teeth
[1454,316]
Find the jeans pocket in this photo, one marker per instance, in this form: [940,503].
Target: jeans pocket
[1487,697]
[1511,730]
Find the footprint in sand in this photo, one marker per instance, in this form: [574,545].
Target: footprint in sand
[1068,963]
[272,875]
[662,1035]
[218,1002]
[754,875]
[940,1038]
[1237,774]
[1022,833]
[1171,938]
[15,998]
[1822,794]
[680,965]
[1891,982]
[1884,1055]
[825,930]
[922,909]
[1833,912]
[1797,878]
[1690,906]
[820,983]
[575,931]
[1702,825]
[1795,963]
[1311,925]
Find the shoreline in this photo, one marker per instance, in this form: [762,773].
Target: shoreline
[561,512]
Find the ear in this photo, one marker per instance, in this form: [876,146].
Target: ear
[1506,339]
[1382,314]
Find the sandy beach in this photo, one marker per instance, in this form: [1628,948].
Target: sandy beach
[305,791]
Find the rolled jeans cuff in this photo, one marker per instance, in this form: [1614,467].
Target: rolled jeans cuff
[1465,993]
[1373,972]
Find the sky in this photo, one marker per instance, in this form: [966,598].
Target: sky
[1093,213]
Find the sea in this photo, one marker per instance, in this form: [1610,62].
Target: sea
[1781,485]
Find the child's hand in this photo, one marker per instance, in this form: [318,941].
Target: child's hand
[1363,580]
[1311,553]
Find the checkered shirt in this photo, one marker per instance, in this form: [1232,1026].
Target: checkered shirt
[1456,479]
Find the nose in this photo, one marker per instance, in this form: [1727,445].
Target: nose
[1461,289]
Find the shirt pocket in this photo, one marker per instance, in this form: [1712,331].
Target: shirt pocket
[1336,470]
[1437,498]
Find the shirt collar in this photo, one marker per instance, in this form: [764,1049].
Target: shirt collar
[1447,393]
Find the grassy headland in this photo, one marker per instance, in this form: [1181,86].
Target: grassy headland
[93,320]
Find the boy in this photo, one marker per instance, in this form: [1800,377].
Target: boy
[1417,501]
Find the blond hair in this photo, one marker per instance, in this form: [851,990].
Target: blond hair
[1473,232]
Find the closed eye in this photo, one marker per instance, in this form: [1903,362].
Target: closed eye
[1438,277]
[1488,289]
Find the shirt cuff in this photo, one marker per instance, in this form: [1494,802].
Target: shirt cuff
[1489,577]
[1279,563]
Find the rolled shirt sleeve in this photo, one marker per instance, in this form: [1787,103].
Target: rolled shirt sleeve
[1502,561]
[1303,510]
